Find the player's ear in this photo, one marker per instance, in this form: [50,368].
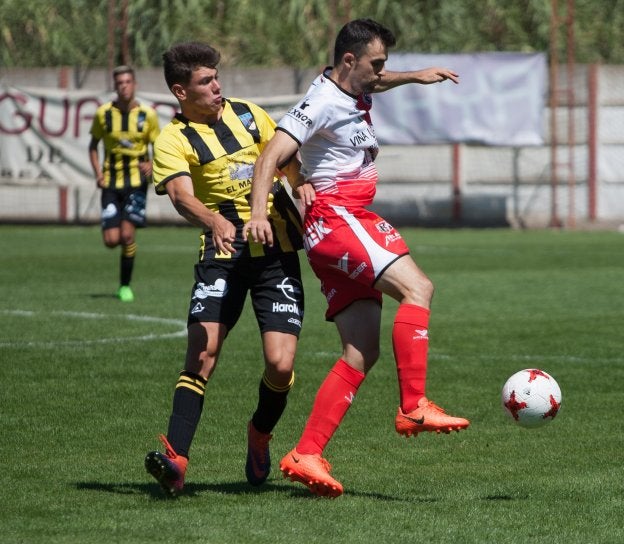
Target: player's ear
[178,91]
[348,59]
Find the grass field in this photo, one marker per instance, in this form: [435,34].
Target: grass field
[87,384]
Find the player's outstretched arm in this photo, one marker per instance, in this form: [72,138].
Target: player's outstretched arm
[426,76]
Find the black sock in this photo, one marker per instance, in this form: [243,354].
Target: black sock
[271,404]
[188,403]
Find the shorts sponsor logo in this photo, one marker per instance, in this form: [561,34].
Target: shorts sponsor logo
[342,264]
[199,307]
[295,321]
[362,266]
[291,288]
[218,289]
[109,212]
[331,294]
[315,234]
[285,308]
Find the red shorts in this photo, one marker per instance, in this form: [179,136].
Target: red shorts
[349,249]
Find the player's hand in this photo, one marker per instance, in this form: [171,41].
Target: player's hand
[437,75]
[223,235]
[146,168]
[306,193]
[260,231]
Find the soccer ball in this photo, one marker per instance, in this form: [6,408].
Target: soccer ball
[531,397]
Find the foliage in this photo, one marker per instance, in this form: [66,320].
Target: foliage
[37,33]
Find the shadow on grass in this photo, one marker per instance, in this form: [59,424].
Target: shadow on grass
[230,488]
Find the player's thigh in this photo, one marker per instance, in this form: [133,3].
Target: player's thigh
[404,281]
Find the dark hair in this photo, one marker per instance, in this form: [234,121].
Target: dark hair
[123,69]
[357,34]
[183,58]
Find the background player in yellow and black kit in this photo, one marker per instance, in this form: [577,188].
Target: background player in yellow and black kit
[126,128]
[204,161]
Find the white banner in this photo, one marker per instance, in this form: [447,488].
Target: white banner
[500,100]
[44,133]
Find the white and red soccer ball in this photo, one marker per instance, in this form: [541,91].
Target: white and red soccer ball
[531,397]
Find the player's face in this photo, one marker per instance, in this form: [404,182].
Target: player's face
[125,86]
[369,67]
[202,95]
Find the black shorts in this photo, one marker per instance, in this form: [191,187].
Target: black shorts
[274,283]
[123,204]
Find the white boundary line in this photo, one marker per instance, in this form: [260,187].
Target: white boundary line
[90,315]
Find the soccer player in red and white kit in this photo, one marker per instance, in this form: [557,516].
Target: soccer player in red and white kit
[356,254]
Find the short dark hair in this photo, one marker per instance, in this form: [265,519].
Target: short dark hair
[357,34]
[182,59]
[123,69]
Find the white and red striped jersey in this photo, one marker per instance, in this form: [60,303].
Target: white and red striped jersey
[337,142]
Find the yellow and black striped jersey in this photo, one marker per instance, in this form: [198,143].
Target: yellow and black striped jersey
[220,160]
[126,137]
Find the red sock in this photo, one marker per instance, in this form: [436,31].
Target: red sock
[410,342]
[332,401]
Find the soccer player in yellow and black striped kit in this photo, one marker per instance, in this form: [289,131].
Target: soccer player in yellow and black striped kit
[204,161]
[127,128]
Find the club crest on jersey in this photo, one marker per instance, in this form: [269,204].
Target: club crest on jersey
[248,121]
[384,226]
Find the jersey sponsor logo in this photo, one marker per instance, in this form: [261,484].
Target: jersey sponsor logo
[217,289]
[314,234]
[391,238]
[241,171]
[359,138]
[297,113]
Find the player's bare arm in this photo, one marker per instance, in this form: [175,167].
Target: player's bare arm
[302,190]
[278,151]
[426,76]
[94,158]
[180,191]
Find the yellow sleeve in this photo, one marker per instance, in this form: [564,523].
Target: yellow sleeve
[170,160]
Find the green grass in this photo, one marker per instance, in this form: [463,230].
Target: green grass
[87,384]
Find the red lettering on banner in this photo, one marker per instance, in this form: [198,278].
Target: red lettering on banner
[65,115]
[27,117]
